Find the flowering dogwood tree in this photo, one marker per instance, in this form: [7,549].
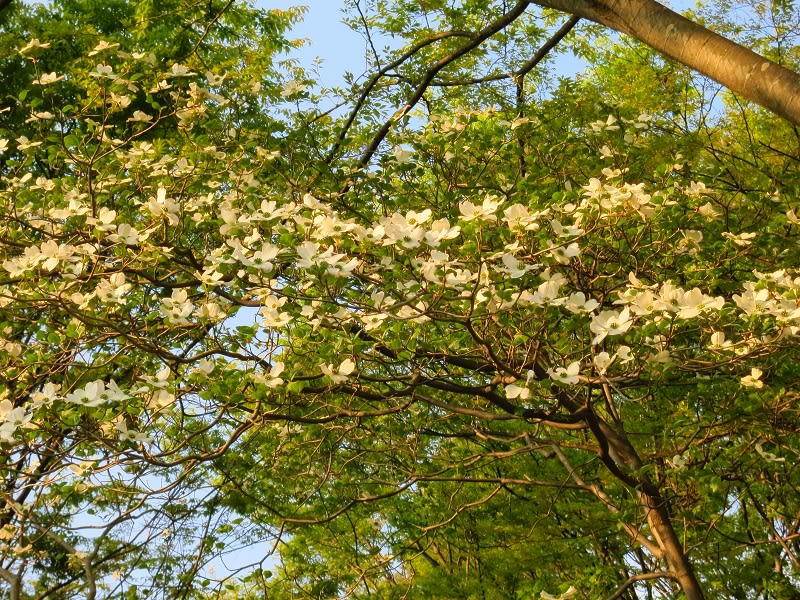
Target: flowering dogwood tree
[490,347]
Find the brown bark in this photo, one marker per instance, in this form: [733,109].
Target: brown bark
[739,69]
[661,527]
[622,460]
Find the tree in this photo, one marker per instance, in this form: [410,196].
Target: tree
[739,69]
[455,342]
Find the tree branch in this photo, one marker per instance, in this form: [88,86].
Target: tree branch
[739,69]
[373,81]
[636,578]
[475,41]
[527,67]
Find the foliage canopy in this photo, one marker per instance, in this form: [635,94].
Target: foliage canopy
[478,332]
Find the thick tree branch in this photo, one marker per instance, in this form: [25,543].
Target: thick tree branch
[373,81]
[739,69]
[635,534]
[475,41]
[526,68]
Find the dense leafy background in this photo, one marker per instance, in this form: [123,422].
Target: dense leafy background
[494,345]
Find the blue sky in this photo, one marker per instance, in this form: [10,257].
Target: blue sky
[327,38]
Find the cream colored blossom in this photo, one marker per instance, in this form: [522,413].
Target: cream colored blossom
[694,302]
[96,393]
[568,375]
[140,117]
[439,231]
[177,308]
[103,71]
[23,143]
[578,303]
[339,374]
[708,211]
[601,361]
[290,88]
[103,45]
[741,239]
[48,78]
[178,70]
[518,216]
[34,44]
[513,391]
[610,322]
[754,379]
[717,341]
[483,212]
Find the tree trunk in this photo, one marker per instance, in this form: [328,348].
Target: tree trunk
[618,454]
[661,528]
[742,71]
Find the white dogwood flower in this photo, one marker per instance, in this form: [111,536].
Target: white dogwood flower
[567,375]
[610,322]
[341,373]
[754,379]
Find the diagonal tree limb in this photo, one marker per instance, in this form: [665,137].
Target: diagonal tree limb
[380,74]
[620,592]
[739,69]
[429,76]
[526,68]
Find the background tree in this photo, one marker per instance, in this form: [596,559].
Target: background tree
[456,342]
